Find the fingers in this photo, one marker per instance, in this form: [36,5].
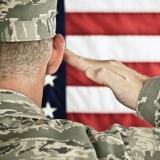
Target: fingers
[105,77]
[84,64]
[123,70]
[79,62]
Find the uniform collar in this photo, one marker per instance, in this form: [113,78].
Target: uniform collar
[16,104]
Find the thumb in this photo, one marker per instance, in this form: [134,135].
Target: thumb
[97,75]
[104,76]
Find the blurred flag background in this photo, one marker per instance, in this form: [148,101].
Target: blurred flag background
[123,30]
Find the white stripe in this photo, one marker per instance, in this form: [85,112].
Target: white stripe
[112,5]
[122,48]
[93,100]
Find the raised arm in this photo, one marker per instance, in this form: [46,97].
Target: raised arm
[132,89]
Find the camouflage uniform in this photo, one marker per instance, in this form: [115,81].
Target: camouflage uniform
[27,20]
[26,134]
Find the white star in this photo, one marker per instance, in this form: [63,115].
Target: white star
[50,80]
[48,110]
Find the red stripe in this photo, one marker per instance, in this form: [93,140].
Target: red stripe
[112,23]
[149,69]
[103,121]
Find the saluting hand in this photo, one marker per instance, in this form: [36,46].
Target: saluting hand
[123,81]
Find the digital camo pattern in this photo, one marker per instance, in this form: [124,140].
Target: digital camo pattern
[26,134]
[27,20]
[149,102]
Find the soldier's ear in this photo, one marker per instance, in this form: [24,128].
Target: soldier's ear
[56,55]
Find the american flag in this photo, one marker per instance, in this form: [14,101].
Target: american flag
[123,30]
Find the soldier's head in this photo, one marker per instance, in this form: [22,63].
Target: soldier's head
[28,39]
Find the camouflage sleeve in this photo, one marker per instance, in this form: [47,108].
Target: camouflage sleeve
[148,105]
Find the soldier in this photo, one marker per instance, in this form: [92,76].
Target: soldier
[29,49]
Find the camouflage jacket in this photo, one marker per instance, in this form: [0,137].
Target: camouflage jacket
[26,134]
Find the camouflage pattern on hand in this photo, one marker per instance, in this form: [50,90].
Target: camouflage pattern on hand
[27,20]
[26,134]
